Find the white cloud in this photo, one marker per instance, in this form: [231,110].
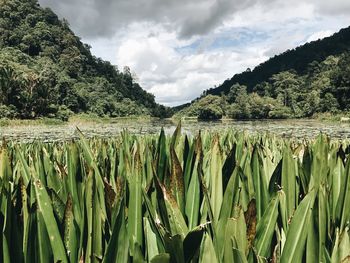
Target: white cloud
[175,78]
[319,35]
[179,48]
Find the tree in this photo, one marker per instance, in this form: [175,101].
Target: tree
[240,109]
[45,68]
[260,107]
[312,103]
[209,108]
[210,112]
[235,90]
[340,81]
[285,84]
[328,103]
[9,81]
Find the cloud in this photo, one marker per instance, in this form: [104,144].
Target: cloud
[334,7]
[176,77]
[212,16]
[319,35]
[179,48]
[101,18]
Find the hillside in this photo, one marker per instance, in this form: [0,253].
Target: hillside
[45,70]
[306,81]
[297,59]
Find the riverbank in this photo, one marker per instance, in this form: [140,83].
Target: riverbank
[92,120]
[73,120]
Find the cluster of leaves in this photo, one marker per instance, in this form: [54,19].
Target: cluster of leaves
[325,88]
[212,198]
[46,70]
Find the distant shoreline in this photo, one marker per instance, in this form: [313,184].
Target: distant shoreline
[82,119]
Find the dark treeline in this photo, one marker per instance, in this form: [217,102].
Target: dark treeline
[45,70]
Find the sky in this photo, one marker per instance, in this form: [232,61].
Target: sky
[179,48]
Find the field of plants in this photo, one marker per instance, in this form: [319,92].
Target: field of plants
[228,197]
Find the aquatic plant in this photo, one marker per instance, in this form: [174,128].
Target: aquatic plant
[229,197]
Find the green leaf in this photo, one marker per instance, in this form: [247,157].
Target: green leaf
[192,242]
[265,229]
[150,240]
[207,252]
[113,246]
[227,207]
[176,220]
[297,233]
[215,184]
[289,180]
[177,181]
[71,234]
[193,198]
[45,208]
[97,175]
[135,204]
[341,250]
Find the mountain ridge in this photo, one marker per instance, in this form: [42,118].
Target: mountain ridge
[311,79]
[317,50]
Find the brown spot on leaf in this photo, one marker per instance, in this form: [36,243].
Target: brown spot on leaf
[250,219]
[110,195]
[346,259]
[176,177]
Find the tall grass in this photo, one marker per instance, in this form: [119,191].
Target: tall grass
[229,197]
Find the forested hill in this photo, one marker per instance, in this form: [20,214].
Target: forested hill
[311,80]
[297,59]
[45,70]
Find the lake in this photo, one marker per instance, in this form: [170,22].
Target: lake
[286,128]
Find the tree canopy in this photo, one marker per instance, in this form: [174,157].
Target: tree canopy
[45,70]
[325,87]
[298,60]
[310,79]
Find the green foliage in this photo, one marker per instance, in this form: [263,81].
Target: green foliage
[63,113]
[249,106]
[307,81]
[44,66]
[237,105]
[329,103]
[210,112]
[229,197]
[240,109]
[324,88]
[298,60]
[8,112]
[281,112]
[208,108]
[341,79]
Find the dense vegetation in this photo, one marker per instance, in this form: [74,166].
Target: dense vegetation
[311,79]
[213,198]
[297,60]
[45,70]
[325,87]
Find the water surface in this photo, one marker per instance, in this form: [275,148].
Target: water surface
[286,128]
